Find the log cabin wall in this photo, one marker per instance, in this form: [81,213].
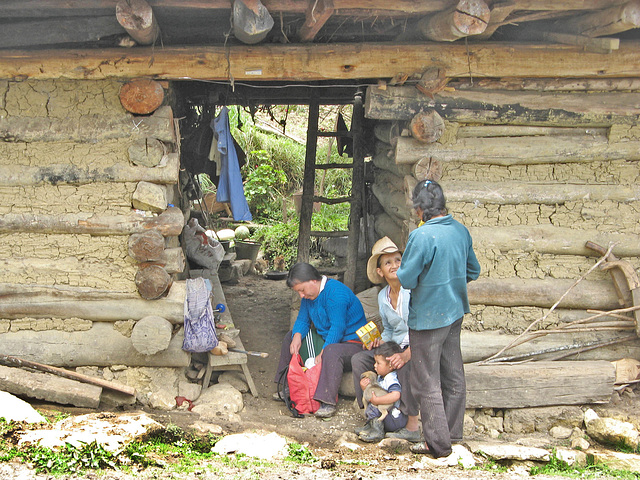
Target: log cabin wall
[534,169]
[79,212]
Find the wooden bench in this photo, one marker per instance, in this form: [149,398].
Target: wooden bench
[232,360]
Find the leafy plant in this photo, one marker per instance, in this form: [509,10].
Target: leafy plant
[299,454]
[556,466]
[279,239]
[70,458]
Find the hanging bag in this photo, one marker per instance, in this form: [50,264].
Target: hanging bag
[199,322]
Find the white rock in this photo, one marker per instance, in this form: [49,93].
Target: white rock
[580,443]
[610,430]
[560,432]
[571,457]
[14,409]
[260,445]
[617,460]
[218,400]
[235,379]
[506,451]
[189,390]
[111,431]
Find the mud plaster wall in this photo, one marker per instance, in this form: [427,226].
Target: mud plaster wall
[100,262]
[598,216]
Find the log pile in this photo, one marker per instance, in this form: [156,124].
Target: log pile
[93,249]
[534,168]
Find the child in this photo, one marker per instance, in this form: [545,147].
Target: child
[388,381]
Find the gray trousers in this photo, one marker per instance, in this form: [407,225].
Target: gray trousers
[336,358]
[438,385]
[363,361]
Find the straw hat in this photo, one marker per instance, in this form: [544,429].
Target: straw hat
[381,247]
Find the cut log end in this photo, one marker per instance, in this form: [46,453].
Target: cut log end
[146,246]
[427,127]
[153,281]
[141,96]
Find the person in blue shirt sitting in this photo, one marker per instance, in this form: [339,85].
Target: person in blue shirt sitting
[336,313]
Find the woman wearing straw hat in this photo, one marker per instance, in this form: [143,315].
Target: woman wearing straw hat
[393,305]
[437,264]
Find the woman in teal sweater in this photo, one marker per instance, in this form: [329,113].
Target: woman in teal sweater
[437,264]
[336,313]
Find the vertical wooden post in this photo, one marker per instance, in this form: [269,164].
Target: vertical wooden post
[308,184]
[357,192]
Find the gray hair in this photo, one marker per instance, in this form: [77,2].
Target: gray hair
[429,197]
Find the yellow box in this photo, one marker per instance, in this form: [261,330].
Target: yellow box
[368,333]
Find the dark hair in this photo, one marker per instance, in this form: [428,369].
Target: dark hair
[302,272]
[429,197]
[387,349]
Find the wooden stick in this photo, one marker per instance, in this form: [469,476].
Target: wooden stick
[596,265]
[61,372]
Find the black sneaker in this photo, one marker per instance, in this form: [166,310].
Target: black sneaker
[326,411]
[411,436]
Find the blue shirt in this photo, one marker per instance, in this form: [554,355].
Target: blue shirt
[436,266]
[336,314]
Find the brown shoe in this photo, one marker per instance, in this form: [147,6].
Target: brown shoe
[419,448]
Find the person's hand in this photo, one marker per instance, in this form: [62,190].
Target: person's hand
[376,343]
[374,399]
[396,361]
[364,382]
[319,358]
[296,343]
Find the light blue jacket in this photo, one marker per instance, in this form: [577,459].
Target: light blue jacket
[437,264]
[395,326]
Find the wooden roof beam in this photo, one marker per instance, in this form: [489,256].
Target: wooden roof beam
[136,17]
[317,62]
[317,14]
[467,17]
[609,21]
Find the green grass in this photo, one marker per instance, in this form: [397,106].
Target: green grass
[555,466]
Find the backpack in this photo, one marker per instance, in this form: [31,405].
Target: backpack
[297,385]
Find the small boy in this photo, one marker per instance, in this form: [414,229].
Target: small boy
[388,395]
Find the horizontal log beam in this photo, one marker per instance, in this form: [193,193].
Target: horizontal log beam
[20,175]
[478,346]
[48,387]
[169,223]
[505,151]
[516,193]
[506,107]
[321,62]
[100,346]
[552,240]
[520,292]
[520,385]
[30,8]
[88,128]
[550,84]
[36,301]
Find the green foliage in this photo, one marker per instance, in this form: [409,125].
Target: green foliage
[299,454]
[70,458]
[555,466]
[264,189]
[279,239]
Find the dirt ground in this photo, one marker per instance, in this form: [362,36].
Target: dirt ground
[260,308]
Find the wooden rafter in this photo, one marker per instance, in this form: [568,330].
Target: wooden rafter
[322,62]
[317,14]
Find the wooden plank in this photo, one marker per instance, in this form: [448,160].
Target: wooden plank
[322,62]
[609,21]
[357,187]
[539,384]
[101,346]
[48,387]
[316,16]
[35,301]
[552,240]
[508,151]
[535,292]
[308,184]
[507,107]
[88,128]
[20,175]
[169,223]
[517,193]
[27,33]
[550,84]
[466,18]
[10,361]
[38,8]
